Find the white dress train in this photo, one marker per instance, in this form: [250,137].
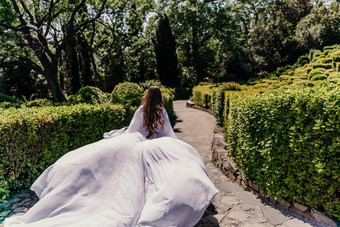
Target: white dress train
[123,180]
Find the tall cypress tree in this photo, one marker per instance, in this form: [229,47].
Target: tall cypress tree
[165,49]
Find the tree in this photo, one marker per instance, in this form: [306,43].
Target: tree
[40,30]
[165,49]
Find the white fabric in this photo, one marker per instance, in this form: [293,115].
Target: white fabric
[123,181]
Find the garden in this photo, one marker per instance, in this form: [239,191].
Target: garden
[269,71]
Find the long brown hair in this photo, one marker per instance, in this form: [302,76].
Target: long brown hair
[153,104]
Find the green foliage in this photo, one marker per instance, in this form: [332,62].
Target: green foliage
[325,66]
[33,138]
[145,85]
[168,96]
[302,60]
[39,103]
[230,86]
[6,105]
[319,77]
[336,56]
[127,93]
[89,95]
[6,98]
[288,143]
[317,71]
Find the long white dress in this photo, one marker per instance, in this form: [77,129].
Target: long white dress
[124,180]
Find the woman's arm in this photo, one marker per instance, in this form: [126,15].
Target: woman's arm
[168,131]
[136,123]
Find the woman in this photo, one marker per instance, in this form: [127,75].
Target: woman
[141,176]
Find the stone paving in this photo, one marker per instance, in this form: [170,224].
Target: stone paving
[19,204]
[231,207]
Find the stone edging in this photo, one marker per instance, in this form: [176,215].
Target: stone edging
[228,168]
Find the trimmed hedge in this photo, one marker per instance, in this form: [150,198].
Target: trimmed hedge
[31,139]
[286,141]
[168,96]
[89,95]
[127,93]
[289,144]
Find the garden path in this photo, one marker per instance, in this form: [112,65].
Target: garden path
[232,206]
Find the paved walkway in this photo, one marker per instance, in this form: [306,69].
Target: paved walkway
[232,206]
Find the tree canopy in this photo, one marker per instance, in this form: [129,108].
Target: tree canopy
[56,47]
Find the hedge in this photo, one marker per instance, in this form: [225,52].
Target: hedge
[289,144]
[127,93]
[31,139]
[89,95]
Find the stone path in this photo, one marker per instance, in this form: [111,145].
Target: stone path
[232,206]
[19,204]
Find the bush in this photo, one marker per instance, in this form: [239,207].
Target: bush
[313,53]
[317,71]
[335,56]
[168,96]
[148,83]
[302,60]
[325,66]
[326,60]
[319,77]
[127,93]
[6,105]
[230,86]
[6,98]
[89,95]
[202,96]
[31,139]
[39,103]
[288,144]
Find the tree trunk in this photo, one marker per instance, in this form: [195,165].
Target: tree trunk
[85,61]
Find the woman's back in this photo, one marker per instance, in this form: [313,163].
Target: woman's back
[136,125]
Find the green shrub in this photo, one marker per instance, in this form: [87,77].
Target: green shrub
[313,53]
[335,56]
[336,46]
[31,139]
[39,103]
[148,83]
[288,143]
[230,86]
[6,105]
[127,93]
[259,86]
[325,66]
[326,60]
[6,98]
[89,95]
[202,96]
[168,96]
[284,77]
[317,71]
[319,77]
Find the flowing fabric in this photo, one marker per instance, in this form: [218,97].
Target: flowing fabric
[124,180]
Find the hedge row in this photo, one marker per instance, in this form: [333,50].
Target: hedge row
[37,133]
[286,142]
[289,144]
[31,139]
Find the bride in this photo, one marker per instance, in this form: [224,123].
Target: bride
[141,175]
